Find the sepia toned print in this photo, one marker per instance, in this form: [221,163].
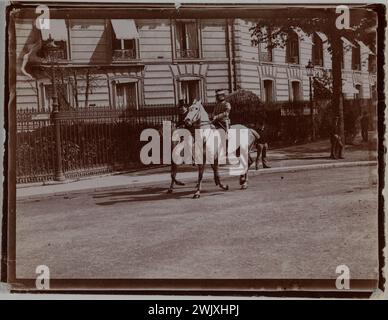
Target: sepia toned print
[226,143]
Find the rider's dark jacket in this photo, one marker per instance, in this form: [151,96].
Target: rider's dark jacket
[221,113]
[181,118]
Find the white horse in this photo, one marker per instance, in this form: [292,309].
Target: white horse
[198,118]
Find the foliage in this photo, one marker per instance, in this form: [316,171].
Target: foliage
[246,107]
[273,30]
[323,85]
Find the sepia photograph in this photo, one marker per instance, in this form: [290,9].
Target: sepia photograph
[205,147]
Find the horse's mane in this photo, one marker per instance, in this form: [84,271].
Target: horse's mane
[204,114]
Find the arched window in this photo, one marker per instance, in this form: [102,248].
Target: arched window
[356,57]
[292,48]
[295,88]
[372,63]
[268,91]
[317,54]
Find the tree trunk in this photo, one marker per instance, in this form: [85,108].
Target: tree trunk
[87,90]
[337,99]
[75,89]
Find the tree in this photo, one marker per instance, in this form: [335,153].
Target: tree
[323,86]
[81,81]
[273,30]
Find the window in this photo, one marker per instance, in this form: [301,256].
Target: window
[372,63]
[265,52]
[292,48]
[356,57]
[57,33]
[358,94]
[124,37]
[60,52]
[317,54]
[295,91]
[186,36]
[123,49]
[126,95]
[373,94]
[268,91]
[47,96]
[190,90]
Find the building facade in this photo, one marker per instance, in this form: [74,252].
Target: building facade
[124,63]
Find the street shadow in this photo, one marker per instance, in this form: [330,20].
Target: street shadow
[145,195]
[310,158]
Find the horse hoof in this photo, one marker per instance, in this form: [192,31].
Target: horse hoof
[223,187]
[196,196]
[244,186]
[169,191]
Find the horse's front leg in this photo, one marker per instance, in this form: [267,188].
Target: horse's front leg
[201,169]
[217,178]
[173,172]
[174,180]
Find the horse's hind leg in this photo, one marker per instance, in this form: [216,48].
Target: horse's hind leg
[197,193]
[217,178]
[244,177]
[244,181]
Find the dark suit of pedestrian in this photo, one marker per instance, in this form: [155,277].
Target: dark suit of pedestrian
[262,147]
[364,127]
[337,145]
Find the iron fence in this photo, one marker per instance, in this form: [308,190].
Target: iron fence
[93,140]
[100,139]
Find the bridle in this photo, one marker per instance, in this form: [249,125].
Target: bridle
[195,119]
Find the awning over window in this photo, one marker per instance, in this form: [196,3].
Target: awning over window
[322,36]
[125,29]
[347,42]
[365,48]
[57,30]
[302,35]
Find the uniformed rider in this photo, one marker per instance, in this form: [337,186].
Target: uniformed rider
[220,117]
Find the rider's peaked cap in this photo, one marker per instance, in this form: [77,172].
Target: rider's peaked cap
[220,92]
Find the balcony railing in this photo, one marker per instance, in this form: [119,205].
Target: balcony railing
[318,62]
[293,59]
[123,54]
[265,56]
[54,55]
[187,53]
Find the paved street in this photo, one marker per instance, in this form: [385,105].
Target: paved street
[286,225]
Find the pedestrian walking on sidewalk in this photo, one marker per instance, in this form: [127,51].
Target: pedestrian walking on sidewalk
[337,145]
[365,126]
[262,146]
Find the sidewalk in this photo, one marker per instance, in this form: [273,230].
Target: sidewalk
[307,156]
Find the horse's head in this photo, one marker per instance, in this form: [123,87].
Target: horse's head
[193,115]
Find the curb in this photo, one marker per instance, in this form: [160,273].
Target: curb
[207,176]
[315,167]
